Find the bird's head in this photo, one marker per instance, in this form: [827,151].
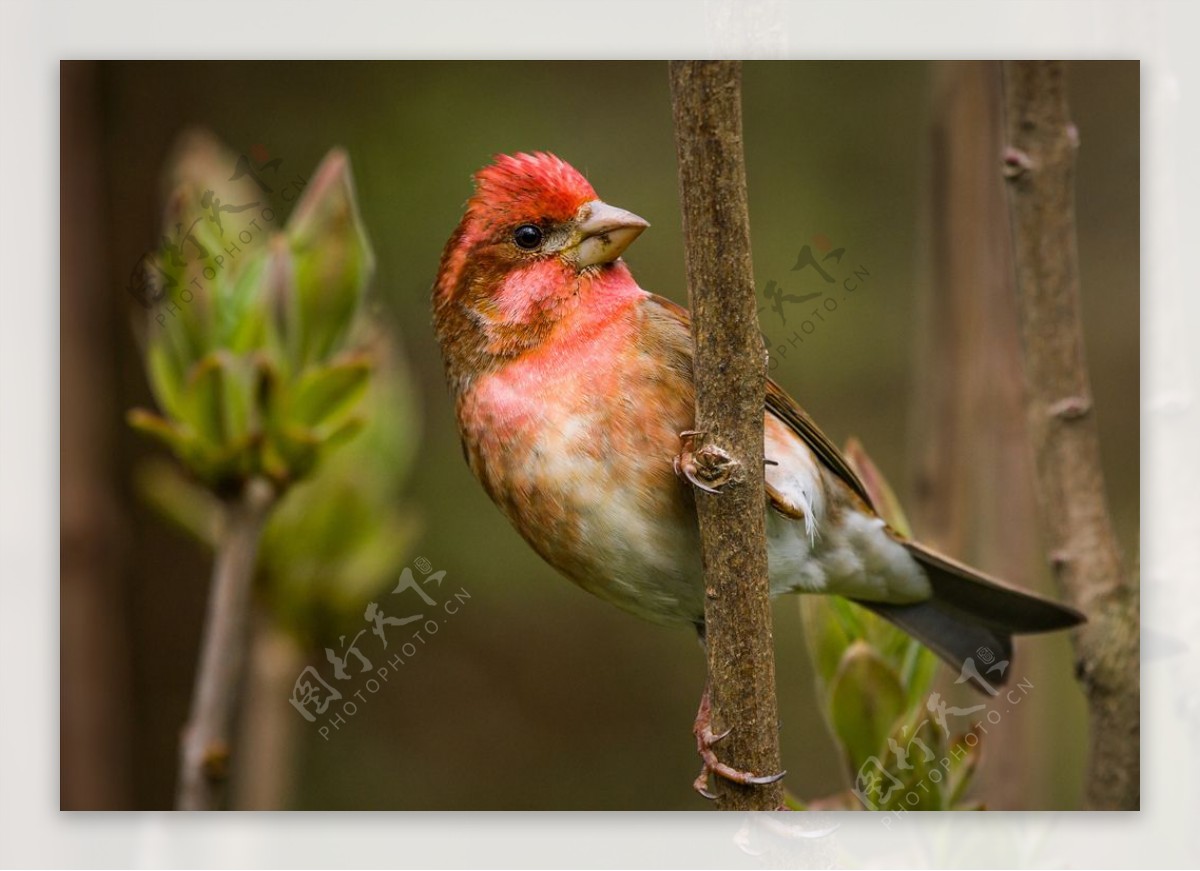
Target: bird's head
[533,236]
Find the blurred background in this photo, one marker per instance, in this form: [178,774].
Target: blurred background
[535,695]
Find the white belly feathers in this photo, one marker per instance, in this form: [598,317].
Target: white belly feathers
[853,557]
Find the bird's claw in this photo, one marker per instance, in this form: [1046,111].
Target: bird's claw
[710,764]
[708,467]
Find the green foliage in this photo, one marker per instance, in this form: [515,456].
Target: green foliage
[342,535]
[338,537]
[873,681]
[865,701]
[261,368]
[249,349]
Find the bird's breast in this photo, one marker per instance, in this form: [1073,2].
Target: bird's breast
[575,444]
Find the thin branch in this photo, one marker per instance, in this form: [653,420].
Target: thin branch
[205,747]
[1039,165]
[730,373]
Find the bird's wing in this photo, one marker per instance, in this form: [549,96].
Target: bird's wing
[788,411]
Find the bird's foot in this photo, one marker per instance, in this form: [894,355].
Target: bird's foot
[708,466]
[710,764]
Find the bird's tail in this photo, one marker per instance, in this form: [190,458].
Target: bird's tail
[972,616]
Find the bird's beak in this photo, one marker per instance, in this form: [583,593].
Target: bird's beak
[605,231]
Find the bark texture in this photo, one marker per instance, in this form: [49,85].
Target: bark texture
[730,372]
[1039,162]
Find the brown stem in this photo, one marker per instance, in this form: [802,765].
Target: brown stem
[1039,165]
[730,372]
[205,747]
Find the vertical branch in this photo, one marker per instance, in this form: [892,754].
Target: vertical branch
[730,372]
[1039,165]
[205,747]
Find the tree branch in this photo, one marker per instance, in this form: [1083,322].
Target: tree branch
[1039,165]
[730,373]
[205,746]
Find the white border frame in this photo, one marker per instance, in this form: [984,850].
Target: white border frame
[34,36]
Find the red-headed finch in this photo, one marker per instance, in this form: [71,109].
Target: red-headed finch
[573,386]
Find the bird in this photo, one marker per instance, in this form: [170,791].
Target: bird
[575,403]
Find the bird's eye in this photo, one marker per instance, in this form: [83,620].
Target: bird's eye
[527,236]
